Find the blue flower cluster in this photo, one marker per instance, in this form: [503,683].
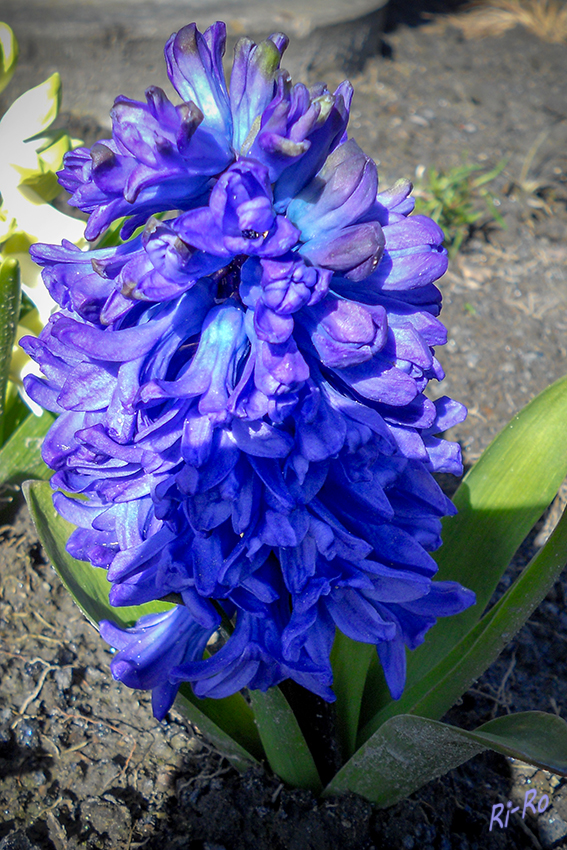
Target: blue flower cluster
[240,386]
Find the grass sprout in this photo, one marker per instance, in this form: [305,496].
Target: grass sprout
[457,199]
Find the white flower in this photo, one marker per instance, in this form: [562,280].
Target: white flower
[30,155]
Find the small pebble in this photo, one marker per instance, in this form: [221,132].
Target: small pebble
[64,678]
[27,734]
[178,742]
[166,777]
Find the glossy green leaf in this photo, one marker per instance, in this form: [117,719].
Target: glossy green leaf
[20,456]
[15,411]
[499,501]
[285,747]
[228,722]
[350,661]
[9,312]
[442,686]
[408,751]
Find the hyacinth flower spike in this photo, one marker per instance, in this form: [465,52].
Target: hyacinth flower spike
[245,442]
[240,389]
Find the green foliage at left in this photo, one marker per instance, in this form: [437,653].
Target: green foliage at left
[9,313]
[31,153]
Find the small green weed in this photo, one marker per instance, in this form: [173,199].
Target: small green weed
[452,198]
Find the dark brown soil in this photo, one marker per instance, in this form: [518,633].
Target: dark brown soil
[82,762]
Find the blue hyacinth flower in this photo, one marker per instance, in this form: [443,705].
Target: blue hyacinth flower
[241,386]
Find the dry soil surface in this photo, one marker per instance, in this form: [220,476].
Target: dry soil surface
[82,762]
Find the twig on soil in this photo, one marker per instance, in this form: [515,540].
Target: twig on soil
[547,630]
[94,720]
[51,743]
[474,411]
[41,619]
[500,698]
[500,691]
[498,701]
[137,844]
[97,722]
[50,808]
[75,748]
[35,693]
[11,654]
[204,777]
[277,792]
[127,762]
[11,535]
[38,660]
[56,831]
[37,637]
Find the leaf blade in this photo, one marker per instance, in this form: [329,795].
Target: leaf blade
[10,293]
[498,502]
[285,747]
[433,694]
[350,662]
[20,456]
[408,751]
[212,717]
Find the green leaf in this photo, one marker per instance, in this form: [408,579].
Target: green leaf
[228,722]
[20,456]
[43,183]
[15,411]
[408,751]
[439,689]
[350,661]
[9,313]
[286,750]
[499,501]
[8,55]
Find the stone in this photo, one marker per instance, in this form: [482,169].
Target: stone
[108,48]
[552,828]
[107,818]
